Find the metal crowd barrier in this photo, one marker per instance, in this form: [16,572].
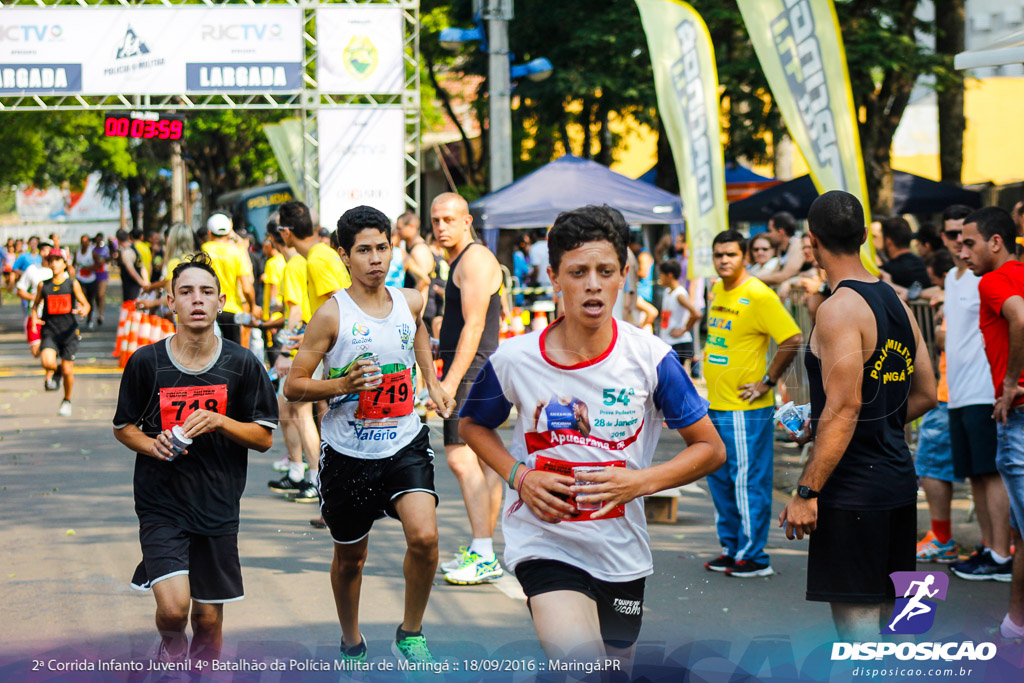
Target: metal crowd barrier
[795,378]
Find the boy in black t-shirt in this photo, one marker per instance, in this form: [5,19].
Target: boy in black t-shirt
[188,504]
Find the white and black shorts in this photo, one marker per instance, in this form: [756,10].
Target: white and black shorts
[210,562]
[355,492]
[620,605]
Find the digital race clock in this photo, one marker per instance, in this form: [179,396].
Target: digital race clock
[144,125]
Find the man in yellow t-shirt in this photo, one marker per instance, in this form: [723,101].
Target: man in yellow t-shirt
[325,273]
[142,246]
[272,272]
[297,421]
[234,271]
[744,315]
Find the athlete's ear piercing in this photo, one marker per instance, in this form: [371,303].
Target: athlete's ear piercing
[220,310]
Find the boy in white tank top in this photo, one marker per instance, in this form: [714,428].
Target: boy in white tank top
[375,457]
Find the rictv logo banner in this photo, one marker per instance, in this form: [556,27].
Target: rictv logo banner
[916,593]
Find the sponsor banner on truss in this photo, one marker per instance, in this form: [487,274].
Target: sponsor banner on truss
[150,50]
[361,49]
[362,161]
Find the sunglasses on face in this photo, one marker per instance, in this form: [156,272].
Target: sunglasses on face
[952,234]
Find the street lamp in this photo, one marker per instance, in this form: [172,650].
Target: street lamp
[500,72]
[536,70]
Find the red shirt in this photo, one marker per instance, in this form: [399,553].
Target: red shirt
[994,289]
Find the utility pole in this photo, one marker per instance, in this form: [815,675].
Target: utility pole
[497,14]
[178,183]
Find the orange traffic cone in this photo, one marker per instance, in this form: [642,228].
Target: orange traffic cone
[516,327]
[142,336]
[122,328]
[540,320]
[132,342]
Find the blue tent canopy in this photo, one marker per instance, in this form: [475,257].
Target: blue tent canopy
[734,173]
[535,200]
[911,194]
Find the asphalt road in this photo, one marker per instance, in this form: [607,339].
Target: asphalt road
[69,538]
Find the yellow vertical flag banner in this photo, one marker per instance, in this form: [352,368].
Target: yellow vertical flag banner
[800,47]
[686,80]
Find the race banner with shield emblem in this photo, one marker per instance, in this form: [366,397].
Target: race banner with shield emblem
[686,80]
[800,47]
[361,49]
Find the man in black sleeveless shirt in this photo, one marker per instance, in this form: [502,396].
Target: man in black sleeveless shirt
[858,493]
[469,335]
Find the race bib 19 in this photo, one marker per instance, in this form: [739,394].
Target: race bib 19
[177,403]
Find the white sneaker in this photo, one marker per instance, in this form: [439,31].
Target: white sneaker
[282,465]
[475,570]
[65,408]
[456,562]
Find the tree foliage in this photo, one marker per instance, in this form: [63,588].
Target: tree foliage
[602,67]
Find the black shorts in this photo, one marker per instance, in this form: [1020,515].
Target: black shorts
[355,492]
[211,562]
[620,605]
[852,552]
[65,344]
[972,437]
[229,329]
[684,351]
[451,424]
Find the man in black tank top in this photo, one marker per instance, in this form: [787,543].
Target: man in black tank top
[469,335]
[59,335]
[857,496]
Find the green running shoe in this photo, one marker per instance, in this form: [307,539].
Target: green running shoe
[413,648]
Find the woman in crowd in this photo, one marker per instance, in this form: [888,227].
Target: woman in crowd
[762,256]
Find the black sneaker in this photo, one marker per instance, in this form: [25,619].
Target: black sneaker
[307,494]
[747,569]
[286,485]
[50,384]
[720,563]
[983,567]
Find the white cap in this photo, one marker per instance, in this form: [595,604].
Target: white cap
[219,224]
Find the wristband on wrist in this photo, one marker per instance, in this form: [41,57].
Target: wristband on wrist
[512,474]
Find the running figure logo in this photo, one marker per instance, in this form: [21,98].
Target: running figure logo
[914,613]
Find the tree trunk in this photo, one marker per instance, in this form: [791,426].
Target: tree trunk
[884,106]
[949,40]
[446,101]
[586,120]
[563,130]
[604,136]
[666,166]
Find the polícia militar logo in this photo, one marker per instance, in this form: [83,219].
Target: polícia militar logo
[916,592]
